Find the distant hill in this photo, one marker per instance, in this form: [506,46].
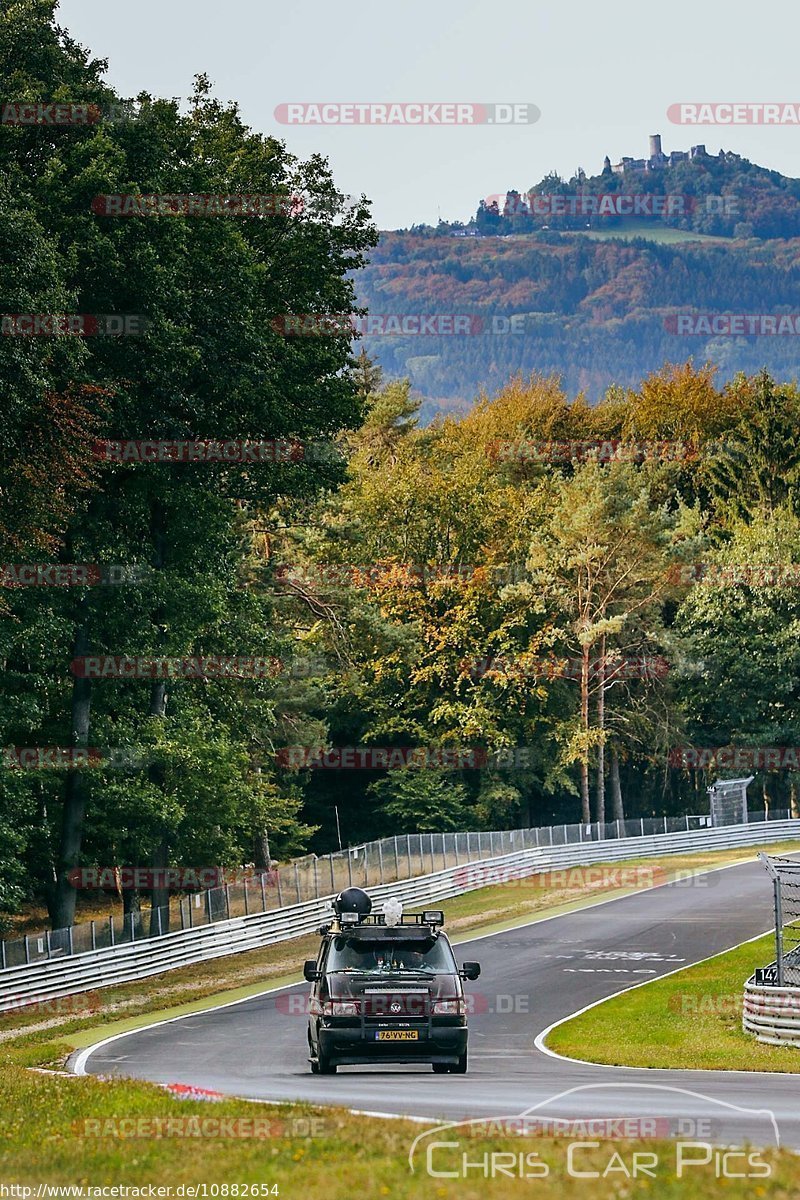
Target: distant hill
[722,195]
[597,300]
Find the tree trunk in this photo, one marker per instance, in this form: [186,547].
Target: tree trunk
[63,896]
[600,799]
[793,799]
[616,790]
[261,851]
[585,809]
[159,896]
[131,913]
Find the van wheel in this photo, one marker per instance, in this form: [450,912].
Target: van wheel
[460,1067]
[324,1065]
[440,1068]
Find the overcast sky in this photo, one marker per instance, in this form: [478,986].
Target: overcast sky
[603,77]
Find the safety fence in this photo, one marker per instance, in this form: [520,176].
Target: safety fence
[366,865]
[219,935]
[771,1008]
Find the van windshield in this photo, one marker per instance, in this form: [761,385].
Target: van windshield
[355,954]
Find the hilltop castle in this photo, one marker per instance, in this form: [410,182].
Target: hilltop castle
[656,160]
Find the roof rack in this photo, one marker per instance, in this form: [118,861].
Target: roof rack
[430,916]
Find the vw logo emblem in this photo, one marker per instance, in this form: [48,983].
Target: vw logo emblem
[396,1006]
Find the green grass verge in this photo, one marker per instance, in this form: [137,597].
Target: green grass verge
[650,231]
[308,1152]
[690,1019]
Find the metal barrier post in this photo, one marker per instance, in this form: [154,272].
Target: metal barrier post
[227,900]
[246,905]
[396,859]
[380,859]
[280,892]
[27,950]
[208,901]
[71,942]
[263,894]
[333,878]
[47,938]
[94,937]
[316,880]
[349,867]
[111,930]
[297,881]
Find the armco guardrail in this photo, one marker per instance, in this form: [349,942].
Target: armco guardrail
[772,1014]
[368,864]
[39,982]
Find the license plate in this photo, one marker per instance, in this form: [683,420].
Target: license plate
[397,1035]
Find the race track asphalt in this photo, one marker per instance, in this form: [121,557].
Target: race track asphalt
[532,976]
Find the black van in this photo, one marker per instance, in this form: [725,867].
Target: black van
[386,989]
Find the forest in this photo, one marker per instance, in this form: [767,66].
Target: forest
[254,595]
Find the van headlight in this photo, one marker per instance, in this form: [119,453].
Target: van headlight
[449,1008]
[340,1008]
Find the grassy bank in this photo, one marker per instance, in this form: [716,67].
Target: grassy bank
[692,1018]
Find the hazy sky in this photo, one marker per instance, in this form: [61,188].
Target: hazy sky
[603,76]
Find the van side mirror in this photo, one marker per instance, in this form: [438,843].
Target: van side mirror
[470,970]
[310,972]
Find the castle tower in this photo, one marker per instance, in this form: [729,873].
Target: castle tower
[606,165]
[655,145]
